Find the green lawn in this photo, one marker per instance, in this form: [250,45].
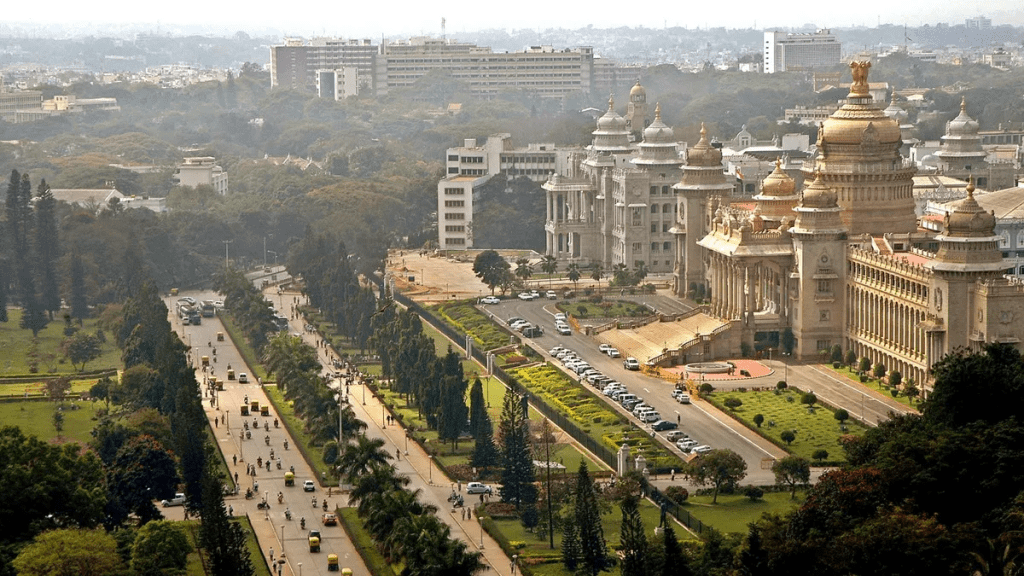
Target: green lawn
[734,511]
[874,384]
[814,430]
[463,316]
[36,389]
[18,350]
[605,309]
[35,418]
[592,414]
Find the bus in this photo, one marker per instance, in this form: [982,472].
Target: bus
[208,309]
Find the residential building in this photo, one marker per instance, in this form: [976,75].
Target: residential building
[978,23]
[785,52]
[294,64]
[201,171]
[14,101]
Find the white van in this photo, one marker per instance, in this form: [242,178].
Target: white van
[623,399]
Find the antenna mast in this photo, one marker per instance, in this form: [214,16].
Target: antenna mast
[444,36]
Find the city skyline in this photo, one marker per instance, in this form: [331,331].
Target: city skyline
[406,18]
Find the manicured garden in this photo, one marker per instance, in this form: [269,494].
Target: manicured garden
[814,427]
[604,309]
[734,512]
[35,418]
[464,317]
[38,388]
[592,414]
[876,384]
[20,352]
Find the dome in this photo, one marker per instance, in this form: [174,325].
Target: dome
[778,183]
[658,132]
[703,153]
[962,125]
[637,90]
[611,121]
[895,112]
[859,120]
[818,195]
[968,219]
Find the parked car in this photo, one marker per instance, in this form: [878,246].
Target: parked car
[561,317]
[551,295]
[613,353]
[651,416]
[178,500]
[662,425]
[554,351]
[701,449]
[676,435]
[490,300]
[686,445]
[563,330]
[526,296]
[604,348]
[631,364]
[513,320]
[478,488]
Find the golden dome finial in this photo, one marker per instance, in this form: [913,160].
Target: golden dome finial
[859,88]
[657,111]
[970,186]
[963,104]
[703,132]
[778,164]
[611,102]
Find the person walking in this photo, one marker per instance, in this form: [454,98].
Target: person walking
[512,567]
[271,555]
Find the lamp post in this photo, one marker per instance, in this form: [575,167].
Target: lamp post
[406,442]
[275,256]
[430,473]
[282,537]
[383,416]
[226,244]
[264,251]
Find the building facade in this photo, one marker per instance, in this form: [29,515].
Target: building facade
[201,171]
[785,52]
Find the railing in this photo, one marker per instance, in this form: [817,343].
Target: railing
[687,519]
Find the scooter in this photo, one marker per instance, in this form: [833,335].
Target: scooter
[248,494]
[287,514]
[266,426]
[302,523]
[325,505]
[275,423]
[245,425]
[285,444]
[248,435]
[280,498]
[314,501]
[259,462]
[264,505]
[278,463]
[267,439]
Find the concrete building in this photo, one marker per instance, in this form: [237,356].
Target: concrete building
[201,171]
[14,101]
[337,84]
[294,64]
[785,52]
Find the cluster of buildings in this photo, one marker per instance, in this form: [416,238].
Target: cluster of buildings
[17,106]
[338,68]
[840,242]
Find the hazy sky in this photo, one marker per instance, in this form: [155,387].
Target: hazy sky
[398,18]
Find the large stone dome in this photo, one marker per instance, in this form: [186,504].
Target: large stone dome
[658,132]
[962,125]
[611,121]
[778,183]
[968,219]
[637,90]
[703,153]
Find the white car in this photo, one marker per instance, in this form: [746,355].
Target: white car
[490,300]
[308,486]
[243,378]
[514,319]
[554,351]
[676,435]
[478,488]
[604,348]
[631,364]
[178,500]
[613,352]
[525,296]
[687,444]
[561,317]
[683,398]
[701,449]
[563,330]
[651,417]
[551,295]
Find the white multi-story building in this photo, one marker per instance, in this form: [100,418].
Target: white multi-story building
[201,170]
[785,52]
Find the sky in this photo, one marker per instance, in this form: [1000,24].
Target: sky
[403,18]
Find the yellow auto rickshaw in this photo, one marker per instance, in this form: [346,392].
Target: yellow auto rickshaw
[231,373]
[174,291]
[245,409]
[206,361]
[289,479]
[254,406]
[216,384]
[220,336]
[314,543]
[265,410]
[346,572]
[332,562]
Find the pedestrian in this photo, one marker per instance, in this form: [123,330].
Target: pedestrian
[234,460]
[673,474]
[186,513]
[271,555]
[398,454]
[460,485]
[216,422]
[515,558]
[679,419]
[463,513]
[469,513]
[231,510]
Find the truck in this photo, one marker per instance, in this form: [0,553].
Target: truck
[208,309]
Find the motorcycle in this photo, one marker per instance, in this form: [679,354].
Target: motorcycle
[266,426]
[267,440]
[278,463]
[264,505]
[291,469]
[259,462]
[325,505]
[287,514]
[285,444]
[248,435]
[280,498]
[302,523]
[271,453]
[245,425]
[248,494]
[314,501]
[275,423]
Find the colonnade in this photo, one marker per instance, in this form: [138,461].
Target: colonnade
[739,288]
[887,330]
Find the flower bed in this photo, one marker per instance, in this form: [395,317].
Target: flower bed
[463,316]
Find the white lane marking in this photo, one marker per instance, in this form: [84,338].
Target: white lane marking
[887,407]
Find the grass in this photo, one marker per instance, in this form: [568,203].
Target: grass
[286,410]
[874,384]
[37,389]
[734,511]
[591,414]
[363,542]
[19,351]
[253,546]
[604,309]
[463,316]
[35,418]
[815,430]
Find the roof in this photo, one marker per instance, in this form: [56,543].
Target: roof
[84,196]
[1007,203]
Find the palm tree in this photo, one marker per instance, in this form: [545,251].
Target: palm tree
[373,485]
[523,269]
[362,457]
[597,273]
[573,274]
[621,274]
[549,264]
[640,271]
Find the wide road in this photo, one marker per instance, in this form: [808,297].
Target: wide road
[701,421]
[272,528]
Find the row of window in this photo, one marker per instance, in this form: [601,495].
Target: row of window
[455,241]
[664,227]
[666,208]
[454,216]
[454,203]
[456,191]
[546,159]
[454,228]
[665,190]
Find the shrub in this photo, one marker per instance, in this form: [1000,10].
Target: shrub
[820,454]
[788,436]
[895,378]
[753,492]
[781,385]
[677,494]
[851,358]
[863,377]
[878,370]
[744,373]
[758,419]
[837,353]
[733,403]
[865,364]
[836,364]
[895,392]
[841,415]
[808,398]
[706,388]
[789,398]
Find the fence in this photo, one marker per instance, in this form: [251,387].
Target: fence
[687,519]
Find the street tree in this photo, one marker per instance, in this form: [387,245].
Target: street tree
[362,457]
[597,273]
[523,269]
[573,274]
[490,267]
[716,468]
[517,474]
[640,271]
[633,541]
[70,552]
[452,413]
[47,247]
[787,436]
[549,265]
[792,471]
[842,416]
[81,348]
[161,547]
[223,541]
[593,558]
[142,471]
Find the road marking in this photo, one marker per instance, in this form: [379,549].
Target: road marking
[646,390]
[886,406]
[731,429]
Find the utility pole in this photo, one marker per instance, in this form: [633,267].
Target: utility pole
[226,244]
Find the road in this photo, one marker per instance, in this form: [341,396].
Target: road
[701,421]
[272,528]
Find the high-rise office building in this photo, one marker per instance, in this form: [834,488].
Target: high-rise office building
[785,52]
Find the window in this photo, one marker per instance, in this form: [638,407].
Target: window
[664,226]
[666,246]
[454,228]
[666,208]
[454,191]
[453,169]
[824,344]
[458,241]
[665,190]
[454,203]
[654,227]
[454,216]
[638,247]
[453,157]
[654,246]
[824,286]
[654,190]
[654,208]
[638,217]
[1004,239]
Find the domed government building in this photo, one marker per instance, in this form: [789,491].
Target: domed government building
[842,261]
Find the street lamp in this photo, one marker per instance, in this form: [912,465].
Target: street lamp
[282,537]
[406,442]
[430,473]
[383,416]
[226,244]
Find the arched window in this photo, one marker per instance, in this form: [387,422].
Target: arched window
[666,208]
[654,208]
[1004,239]
[666,246]
[1020,238]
